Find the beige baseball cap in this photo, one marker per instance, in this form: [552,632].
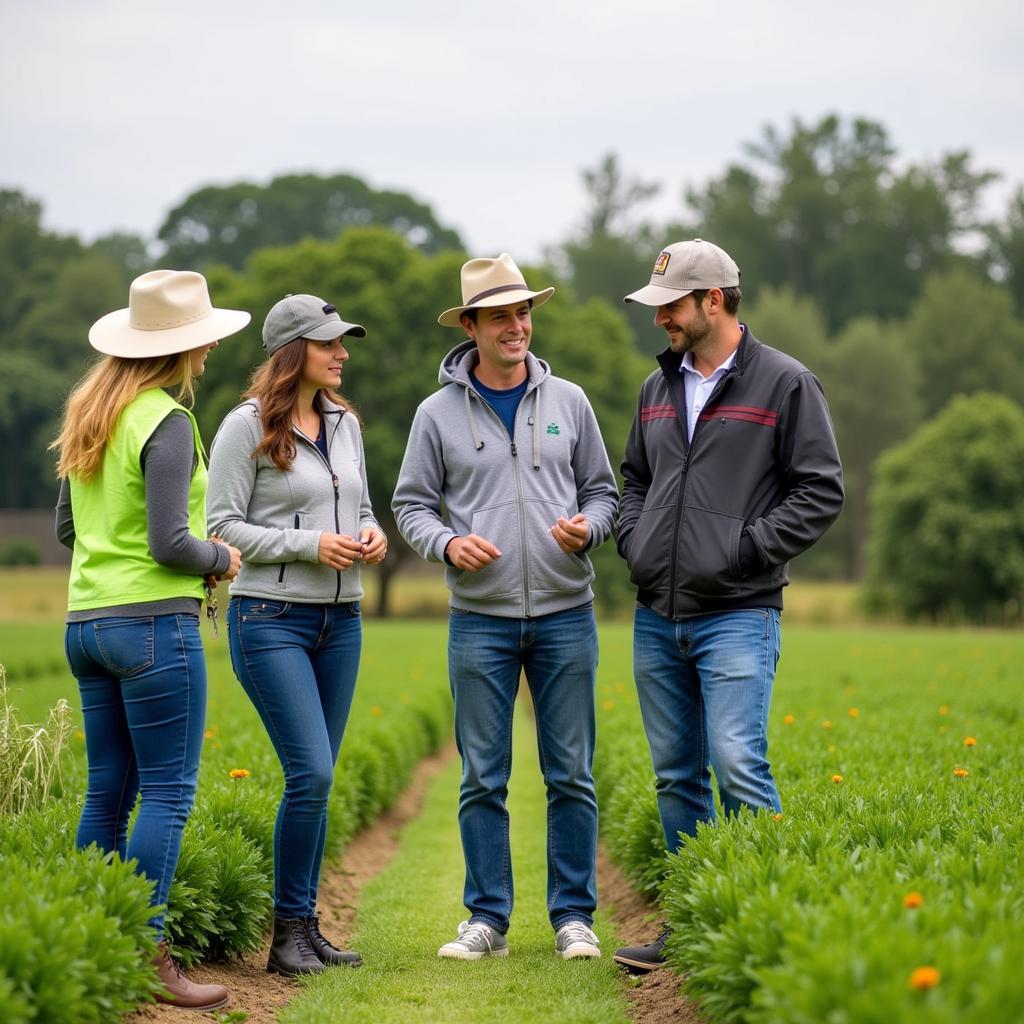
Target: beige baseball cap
[684,267]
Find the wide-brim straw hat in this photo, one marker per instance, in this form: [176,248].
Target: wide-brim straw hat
[168,311]
[490,282]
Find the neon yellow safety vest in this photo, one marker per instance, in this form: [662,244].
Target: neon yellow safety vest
[112,563]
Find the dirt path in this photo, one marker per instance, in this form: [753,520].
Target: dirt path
[261,994]
[654,998]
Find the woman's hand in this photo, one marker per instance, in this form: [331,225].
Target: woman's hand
[375,545]
[338,550]
[235,562]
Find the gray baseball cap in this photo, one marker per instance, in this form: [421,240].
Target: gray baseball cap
[304,316]
[685,267]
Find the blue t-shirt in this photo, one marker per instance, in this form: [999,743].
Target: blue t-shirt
[504,403]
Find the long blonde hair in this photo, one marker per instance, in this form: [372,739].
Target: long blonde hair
[100,397]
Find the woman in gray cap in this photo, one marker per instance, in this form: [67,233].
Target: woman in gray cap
[288,488]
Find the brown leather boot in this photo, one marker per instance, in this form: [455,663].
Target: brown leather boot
[183,991]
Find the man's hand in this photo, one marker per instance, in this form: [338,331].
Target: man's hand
[571,535]
[471,553]
[375,545]
[338,550]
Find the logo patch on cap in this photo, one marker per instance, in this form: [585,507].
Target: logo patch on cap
[329,308]
[661,263]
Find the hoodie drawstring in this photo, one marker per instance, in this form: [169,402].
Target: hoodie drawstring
[478,442]
[536,428]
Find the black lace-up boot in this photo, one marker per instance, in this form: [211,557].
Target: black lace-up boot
[291,952]
[329,953]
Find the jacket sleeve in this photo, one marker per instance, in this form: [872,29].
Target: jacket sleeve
[597,494]
[808,459]
[636,480]
[64,526]
[418,495]
[232,480]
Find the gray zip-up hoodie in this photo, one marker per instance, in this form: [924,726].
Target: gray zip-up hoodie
[275,517]
[463,474]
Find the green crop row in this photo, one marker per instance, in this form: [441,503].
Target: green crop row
[220,902]
[891,889]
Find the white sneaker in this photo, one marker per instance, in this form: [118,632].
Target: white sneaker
[576,939]
[475,940]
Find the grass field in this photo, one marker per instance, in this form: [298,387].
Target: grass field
[890,890]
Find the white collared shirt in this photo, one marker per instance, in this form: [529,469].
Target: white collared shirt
[698,388]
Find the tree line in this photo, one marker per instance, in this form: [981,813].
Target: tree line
[884,278]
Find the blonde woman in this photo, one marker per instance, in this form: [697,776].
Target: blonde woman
[132,508]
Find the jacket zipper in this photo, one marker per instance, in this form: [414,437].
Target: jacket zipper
[524,550]
[688,444]
[337,495]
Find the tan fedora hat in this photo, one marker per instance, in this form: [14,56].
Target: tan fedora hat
[492,282]
[168,311]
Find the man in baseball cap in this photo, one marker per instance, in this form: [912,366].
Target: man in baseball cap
[731,469]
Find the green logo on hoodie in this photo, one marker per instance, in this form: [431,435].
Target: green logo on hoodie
[553,428]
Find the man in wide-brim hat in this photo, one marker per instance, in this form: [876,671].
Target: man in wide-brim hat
[505,479]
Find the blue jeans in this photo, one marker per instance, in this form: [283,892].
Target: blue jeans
[143,688]
[558,654]
[298,664]
[705,686]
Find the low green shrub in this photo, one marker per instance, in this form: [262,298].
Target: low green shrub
[19,551]
[899,761]
[75,945]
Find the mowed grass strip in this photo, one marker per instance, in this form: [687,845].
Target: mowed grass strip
[415,905]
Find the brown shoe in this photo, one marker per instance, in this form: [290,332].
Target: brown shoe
[181,990]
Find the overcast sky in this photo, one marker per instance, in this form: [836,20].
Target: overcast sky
[112,111]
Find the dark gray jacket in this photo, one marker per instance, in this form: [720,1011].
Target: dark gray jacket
[761,477]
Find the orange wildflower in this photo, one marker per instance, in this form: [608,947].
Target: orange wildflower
[913,900]
[777,817]
[376,711]
[854,712]
[608,704]
[943,709]
[208,735]
[960,773]
[789,719]
[239,773]
[970,741]
[826,724]
[924,977]
[837,779]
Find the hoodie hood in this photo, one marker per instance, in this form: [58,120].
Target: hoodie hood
[456,366]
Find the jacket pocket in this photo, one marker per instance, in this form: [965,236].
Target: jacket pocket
[709,552]
[649,550]
[550,569]
[503,577]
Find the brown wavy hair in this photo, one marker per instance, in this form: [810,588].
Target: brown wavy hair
[99,398]
[275,384]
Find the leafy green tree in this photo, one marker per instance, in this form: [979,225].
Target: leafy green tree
[1007,248]
[225,223]
[826,210]
[871,379]
[613,251]
[965,337]
[947,535]
[790,322]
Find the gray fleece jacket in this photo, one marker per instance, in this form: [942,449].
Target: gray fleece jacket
[275,517]
[463,474]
